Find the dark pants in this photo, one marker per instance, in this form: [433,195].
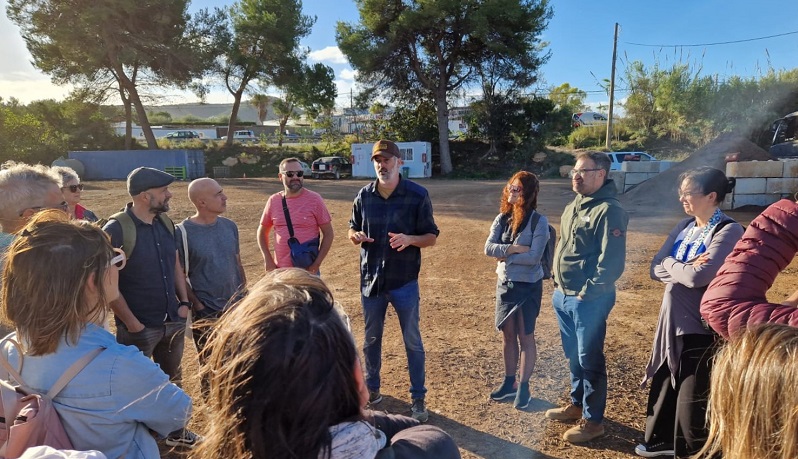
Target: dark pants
[201,330]
[409,439]
[163,343]
[678,414]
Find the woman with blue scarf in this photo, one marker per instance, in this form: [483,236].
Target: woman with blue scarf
[683,348]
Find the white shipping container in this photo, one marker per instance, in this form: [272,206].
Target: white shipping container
[416,156]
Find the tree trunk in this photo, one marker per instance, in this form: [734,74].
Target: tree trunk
[128,119]
[283,122]
[231,125]
[442,110]
[152,144]
[127,85]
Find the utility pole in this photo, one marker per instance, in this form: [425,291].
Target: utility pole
[352,111]
[612,88]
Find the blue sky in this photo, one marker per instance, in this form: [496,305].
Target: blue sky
[579,35]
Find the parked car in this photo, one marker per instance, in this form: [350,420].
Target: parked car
[785,137]
[306,169]
[588,119]
[182,135]
[332,166]
[618,157]
[243,135]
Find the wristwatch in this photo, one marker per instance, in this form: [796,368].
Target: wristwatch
[186,303]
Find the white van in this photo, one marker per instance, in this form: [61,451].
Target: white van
[588,119]
[244,135]
[618,157]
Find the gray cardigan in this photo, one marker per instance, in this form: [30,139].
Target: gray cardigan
[519,267]
[684,286]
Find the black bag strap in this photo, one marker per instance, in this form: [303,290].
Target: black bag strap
[721,224]
[288,218]
[535,220]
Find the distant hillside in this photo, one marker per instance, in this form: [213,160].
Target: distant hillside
[246,112]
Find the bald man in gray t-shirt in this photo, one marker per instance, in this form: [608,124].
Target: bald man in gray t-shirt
[215,273]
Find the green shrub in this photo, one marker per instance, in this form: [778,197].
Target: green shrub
[588,137]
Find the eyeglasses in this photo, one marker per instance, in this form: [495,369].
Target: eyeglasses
[514,189]
[291,174]
[120,260]
[73,188]
[63,206]
[687,194]
[581,172]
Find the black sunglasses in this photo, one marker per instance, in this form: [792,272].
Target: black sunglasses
[74,188]
[291,174]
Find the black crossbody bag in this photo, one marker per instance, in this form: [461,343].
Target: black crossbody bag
[302,254]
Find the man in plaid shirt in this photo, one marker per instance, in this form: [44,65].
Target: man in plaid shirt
[392,221]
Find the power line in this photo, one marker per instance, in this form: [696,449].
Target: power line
[713,44]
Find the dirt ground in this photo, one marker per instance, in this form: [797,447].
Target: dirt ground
[457,287]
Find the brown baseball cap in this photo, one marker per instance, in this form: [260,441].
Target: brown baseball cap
[385,148]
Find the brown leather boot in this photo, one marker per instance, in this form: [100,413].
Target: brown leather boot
[585,431]
[565,413]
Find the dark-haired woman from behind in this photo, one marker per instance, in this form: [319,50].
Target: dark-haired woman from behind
[681,357]
[286,382]
[517,243]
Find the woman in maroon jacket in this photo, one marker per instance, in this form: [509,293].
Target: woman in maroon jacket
[681,355]
[736,297]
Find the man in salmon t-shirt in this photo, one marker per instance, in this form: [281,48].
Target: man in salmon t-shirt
[309,217]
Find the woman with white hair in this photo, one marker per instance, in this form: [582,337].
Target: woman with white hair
[71,188]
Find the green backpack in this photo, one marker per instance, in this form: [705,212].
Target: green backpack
[129,229]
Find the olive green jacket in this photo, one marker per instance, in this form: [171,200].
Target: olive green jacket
[591,253]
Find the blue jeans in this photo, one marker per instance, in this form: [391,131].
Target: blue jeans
[583,326]
[405,300]
[163,343]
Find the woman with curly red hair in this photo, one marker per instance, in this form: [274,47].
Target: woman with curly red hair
[518,248]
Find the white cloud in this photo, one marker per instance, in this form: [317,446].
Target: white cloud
[344,87]
[31,89]
[347,74]
[330,54]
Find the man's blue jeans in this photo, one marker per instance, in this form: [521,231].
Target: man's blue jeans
[405,301]
[583,326]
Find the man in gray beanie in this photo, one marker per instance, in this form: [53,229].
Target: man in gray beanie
[153,304]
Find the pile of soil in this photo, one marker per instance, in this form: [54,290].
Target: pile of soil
[660,192]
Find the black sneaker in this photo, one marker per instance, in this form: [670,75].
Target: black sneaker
[522,397]
[374,397]
[506,390]
[419,410]
[657,449]
[184,438]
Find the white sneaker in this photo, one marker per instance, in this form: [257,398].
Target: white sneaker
[655,449]
[183,438]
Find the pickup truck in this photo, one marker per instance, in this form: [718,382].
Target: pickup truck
[618,157]
[785,137]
